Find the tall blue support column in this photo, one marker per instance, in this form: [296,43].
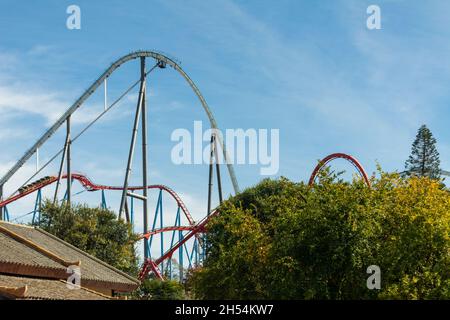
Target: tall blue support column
[189,256]
[196,251]
[6,214]
[104,206]
[173,239]
[155,219]
[66,194]
[161,225]
[180,249]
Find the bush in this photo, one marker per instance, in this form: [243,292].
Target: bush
[284,240]
[94,230]
[154,289]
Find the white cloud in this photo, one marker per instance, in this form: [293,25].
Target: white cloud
[378,99]
[22,99]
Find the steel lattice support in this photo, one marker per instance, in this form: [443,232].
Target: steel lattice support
[69,160]
[63,159]
[37,208]
[6,214]
[139,108]
[161,60]
[160,266]
[144,156]
[213,159]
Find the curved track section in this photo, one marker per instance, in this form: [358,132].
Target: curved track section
[151,265]
[167,229]
[90,186]
[322,163]
[134,55]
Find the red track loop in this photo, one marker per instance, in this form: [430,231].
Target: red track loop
[90,186]
[333,156]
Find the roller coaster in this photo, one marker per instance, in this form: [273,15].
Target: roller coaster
[324,162]
[186,248]
[192,228]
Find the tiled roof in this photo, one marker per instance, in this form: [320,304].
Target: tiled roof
[31,251]
[29,288]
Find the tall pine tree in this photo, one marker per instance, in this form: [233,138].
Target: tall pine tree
[424,159]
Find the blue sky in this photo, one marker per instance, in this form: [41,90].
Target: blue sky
[309,68]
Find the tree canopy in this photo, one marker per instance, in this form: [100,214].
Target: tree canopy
[94,230]
[284,240]
[155,289]
[424,159]
[98,232]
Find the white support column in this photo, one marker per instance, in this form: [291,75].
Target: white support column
[106,93]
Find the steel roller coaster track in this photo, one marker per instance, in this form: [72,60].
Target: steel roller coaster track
[128,192]
[190,232]
[324,162]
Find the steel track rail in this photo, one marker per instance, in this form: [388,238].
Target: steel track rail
[134,55]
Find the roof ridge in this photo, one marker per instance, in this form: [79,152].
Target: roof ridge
[16,224]
[37,247]
[19,269]
[89,255]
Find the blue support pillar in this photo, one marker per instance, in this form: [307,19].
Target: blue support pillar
[104,205]
[195,250]
[6,213]
[66,195]
[169,268]
[188,256]
[175,224]
[155,219]
[180,250]
[161,225]
[173,239]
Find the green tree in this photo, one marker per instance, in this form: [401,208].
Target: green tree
[284,240]
[94,230]
[424,159]
[154,289]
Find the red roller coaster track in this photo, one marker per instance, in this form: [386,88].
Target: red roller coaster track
[140,124]
[149,265]
[90,186]
[152,265]
[322,163]
[193,229]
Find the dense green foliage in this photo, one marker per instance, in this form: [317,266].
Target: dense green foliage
[283,240]
[154,289]
[94,230]
[100,233]
[424,159]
